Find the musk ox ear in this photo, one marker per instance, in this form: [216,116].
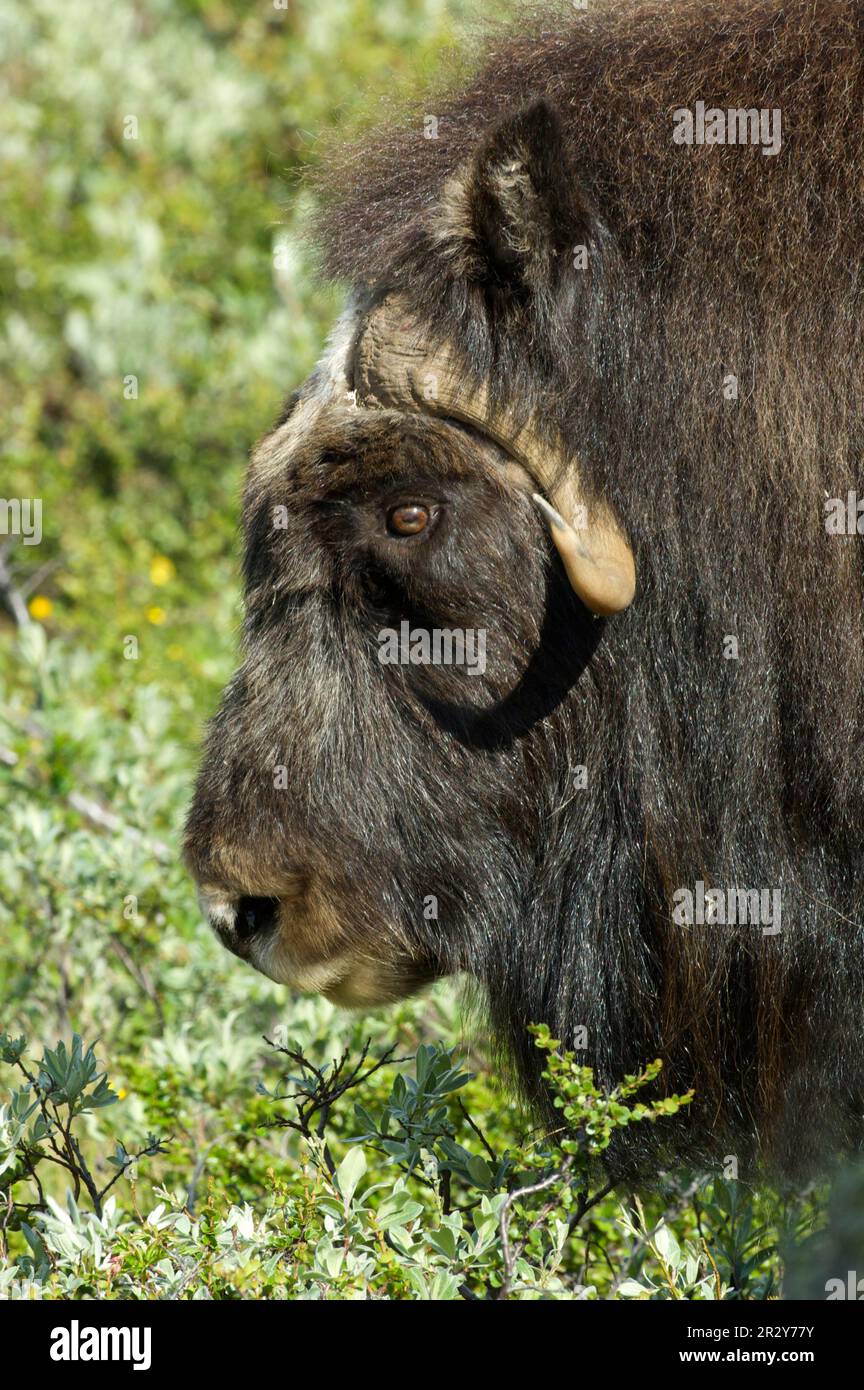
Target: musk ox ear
[514,213]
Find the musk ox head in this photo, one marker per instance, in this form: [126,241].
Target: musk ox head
[368,805]
[522,421]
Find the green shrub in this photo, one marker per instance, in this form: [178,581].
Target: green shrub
[421,1203]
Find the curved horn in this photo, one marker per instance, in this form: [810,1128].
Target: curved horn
[598,560]
[393,368]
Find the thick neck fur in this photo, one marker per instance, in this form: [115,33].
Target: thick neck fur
[709,263]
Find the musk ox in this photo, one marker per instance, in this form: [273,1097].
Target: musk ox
[605,343]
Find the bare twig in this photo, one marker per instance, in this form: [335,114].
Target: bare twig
[96,812]
[150,1151]
[585,1203]
[106,819]
[313,1101]
[507,1254]
[138,974]
[10,595]
[477,1130]
[35,579]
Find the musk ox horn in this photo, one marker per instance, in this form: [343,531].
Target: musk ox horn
[393,367]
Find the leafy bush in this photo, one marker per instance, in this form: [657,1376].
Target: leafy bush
[419,1204]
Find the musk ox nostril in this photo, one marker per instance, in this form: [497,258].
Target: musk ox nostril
[255,915]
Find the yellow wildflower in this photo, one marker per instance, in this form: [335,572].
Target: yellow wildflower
[40,607]
[162,570]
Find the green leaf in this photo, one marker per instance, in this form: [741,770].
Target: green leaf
[398,1210]
[349,1173]
[667,1247]
[630,1289]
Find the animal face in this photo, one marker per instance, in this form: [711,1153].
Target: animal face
[316,829]
[361,810]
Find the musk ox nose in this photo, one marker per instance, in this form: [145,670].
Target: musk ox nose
[239,922]
[255,915]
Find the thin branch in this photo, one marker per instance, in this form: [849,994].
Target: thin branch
[138,974]
[585,1204]
[477,1130]
[106,819]
[149,1152]
[325,1087]
[10,595]
[507,1254]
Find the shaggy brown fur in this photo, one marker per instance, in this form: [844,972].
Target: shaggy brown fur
[703,261]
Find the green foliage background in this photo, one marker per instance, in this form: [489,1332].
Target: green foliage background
[175,258]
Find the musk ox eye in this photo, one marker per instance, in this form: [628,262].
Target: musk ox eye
[408,520]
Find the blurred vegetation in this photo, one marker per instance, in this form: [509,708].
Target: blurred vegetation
[157,303]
